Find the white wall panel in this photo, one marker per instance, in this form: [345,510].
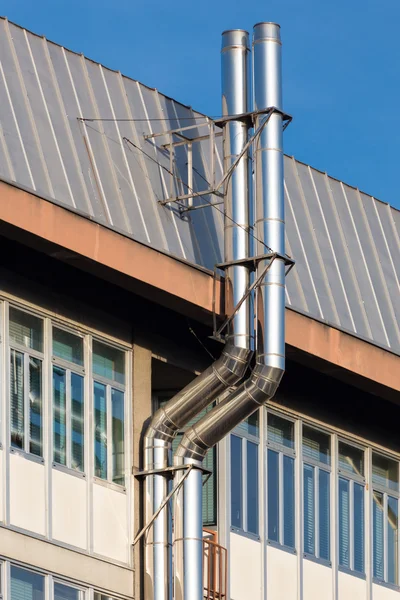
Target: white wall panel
[110,523]
[351,587]
[281,574]
[245,568]
[2,486]
[69,509]
[380,592]
[27,494]
[317,581]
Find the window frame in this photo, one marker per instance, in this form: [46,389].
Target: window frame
[387,492]
[27,353]
[109,385]
[362,480]
[292,453]
[69,368]
[317,466]
[245,438]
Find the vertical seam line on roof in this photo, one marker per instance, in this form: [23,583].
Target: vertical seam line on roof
[17,127]
[347,254]
[7,154]
[49,118]
[304,255]
[140,159]
[104,143]
[332,249]
[315,243]
[160,170]
[379,266]
[124,158]
[67,126]
[365,265]
[92,159]
[28,107]
[393,224]
[171,211]
[294,274]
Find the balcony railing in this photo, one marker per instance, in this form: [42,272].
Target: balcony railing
[215,567]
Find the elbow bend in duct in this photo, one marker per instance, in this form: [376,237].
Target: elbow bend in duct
[256,391]
[227,371]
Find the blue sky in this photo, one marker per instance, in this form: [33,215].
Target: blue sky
[341,67]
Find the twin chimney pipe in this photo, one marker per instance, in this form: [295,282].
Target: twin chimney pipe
[231,367]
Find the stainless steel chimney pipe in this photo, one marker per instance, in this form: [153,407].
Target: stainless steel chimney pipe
[226,372]
[267,374]
[188,529]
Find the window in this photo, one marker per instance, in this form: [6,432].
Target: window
[68,400]
[351,507]
[26,381]
[66,592]
[109,408]
[26,585]
[280,480]
[316,448]
[385,518]
[209,483]
[244,475]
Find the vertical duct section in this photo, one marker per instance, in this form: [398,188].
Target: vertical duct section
[188,527]
[228,370]
[269,194]
[268,371]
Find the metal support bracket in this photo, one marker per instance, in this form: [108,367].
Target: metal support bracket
[213,188]
[168,472]
[251,264]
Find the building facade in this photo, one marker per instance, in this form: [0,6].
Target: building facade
[107,300]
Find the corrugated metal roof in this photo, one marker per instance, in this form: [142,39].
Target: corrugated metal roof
[346,244]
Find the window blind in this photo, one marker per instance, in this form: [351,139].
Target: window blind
[344,522]
[359,517]
[288,501]
[324,514]
[378,552]
[26,329]
[26,585]
[309,509]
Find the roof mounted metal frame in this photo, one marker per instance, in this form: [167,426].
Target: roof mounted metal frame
[178,138]
[251,263]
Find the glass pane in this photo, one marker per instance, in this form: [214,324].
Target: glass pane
[316,445]
[25,329]
[273,495]
[35,406]
[118,420]
[236,482]
[67,346]
[250,425]
[351,459]
[77,423]
[59,416]
[100,437]
[108,362]
[26,585]
[280,431]
[17,416]
[385,472]
[210,489]
[392,539]
[358,527]
[252,487]
[378,536]
[344,523]
[324,514]
[309,510]
[288,501]
[65,592]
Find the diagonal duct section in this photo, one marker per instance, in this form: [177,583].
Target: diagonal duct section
[270,364]
[230,368]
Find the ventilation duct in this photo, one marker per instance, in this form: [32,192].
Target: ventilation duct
[227,371]
[269,368]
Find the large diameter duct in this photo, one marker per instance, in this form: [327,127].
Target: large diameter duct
[235,101]
[267,374]
[226,372]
